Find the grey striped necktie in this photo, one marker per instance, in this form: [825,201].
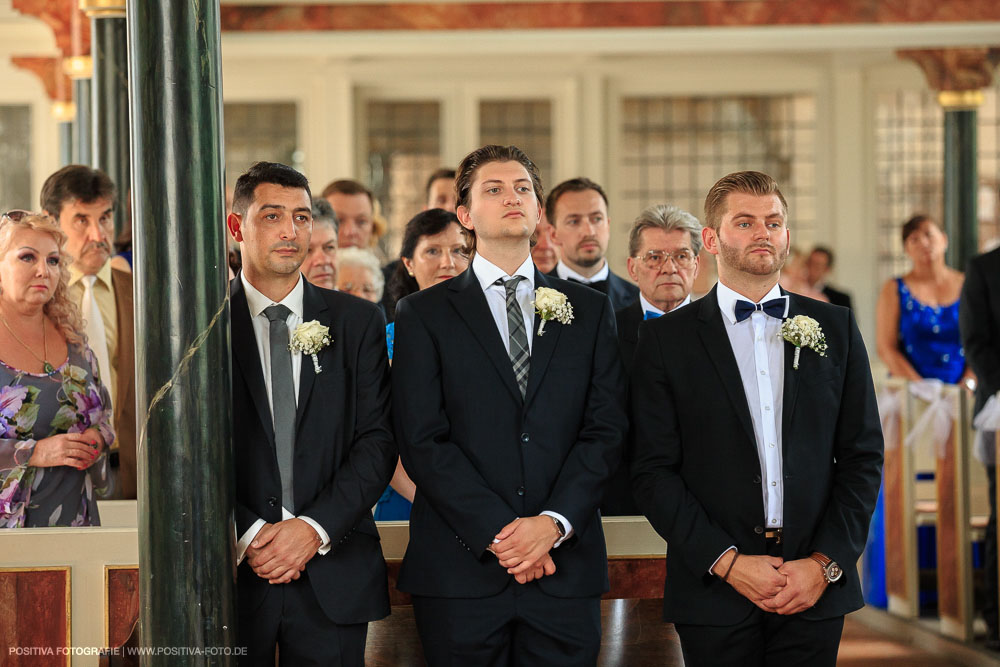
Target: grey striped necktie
[282,399]
[519,356]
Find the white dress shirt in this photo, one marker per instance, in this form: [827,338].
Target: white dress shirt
[567,273]
[760,356]
[646,305]
[257,302]
[487,274]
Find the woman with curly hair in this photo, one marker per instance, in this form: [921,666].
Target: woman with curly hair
[55,419]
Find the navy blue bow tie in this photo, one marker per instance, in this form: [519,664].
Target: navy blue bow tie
[650,315]
[774,308]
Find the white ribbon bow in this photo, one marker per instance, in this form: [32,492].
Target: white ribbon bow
[937,419]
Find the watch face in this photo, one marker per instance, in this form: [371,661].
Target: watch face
[833,572]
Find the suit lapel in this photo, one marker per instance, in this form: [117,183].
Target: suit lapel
[720,351]
[790,385]
[468,299]
[542,346]
[313,308]
[244,343]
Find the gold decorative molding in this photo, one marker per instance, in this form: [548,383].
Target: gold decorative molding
[79,67]
[103,9]
[64,112]
[955,69]
[960,100]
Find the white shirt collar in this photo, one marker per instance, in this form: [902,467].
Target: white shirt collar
[258,302]
[728,298]
[646,305]
[487,273]
[567,273]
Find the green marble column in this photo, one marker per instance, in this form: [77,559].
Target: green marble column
[187,544]
[109,47]
[83,126]
[961,181]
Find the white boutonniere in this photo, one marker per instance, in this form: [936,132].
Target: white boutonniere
[803,331]
[551,304]
[309,338]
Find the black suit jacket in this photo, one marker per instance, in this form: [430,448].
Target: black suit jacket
[344,451]
[629,318]
[697,473]
[620,291]
[979,322]
[837,297]
[481,457]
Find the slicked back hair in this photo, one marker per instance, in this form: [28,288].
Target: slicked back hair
[265,172]
[493,153]
[578,184]
[745,182]
[668,218]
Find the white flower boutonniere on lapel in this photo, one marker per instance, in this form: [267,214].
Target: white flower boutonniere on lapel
[309,338]
[803,331]
[551,304]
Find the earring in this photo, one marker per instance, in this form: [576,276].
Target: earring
[411,273]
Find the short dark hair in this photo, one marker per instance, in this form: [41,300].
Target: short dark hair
[439,174]
[822,249]
[493,153]
[745,182]
[347,186]
[913,224]
[426,223]
[323,212]
[75,181]
[274,173]
[578,184]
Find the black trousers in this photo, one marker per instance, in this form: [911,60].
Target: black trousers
[291,619]
[991,613]
[521,626]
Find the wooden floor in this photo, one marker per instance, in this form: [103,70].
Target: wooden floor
[633,636]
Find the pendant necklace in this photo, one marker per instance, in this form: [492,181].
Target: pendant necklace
[47,368]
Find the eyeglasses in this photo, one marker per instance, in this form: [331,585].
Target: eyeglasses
[654,259]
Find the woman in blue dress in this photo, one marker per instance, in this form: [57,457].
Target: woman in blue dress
[435,249]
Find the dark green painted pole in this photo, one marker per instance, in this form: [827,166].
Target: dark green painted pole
[961,181]
[83,126]
[109,46]
[187,543]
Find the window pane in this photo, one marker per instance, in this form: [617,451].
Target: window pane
[526,124]
[15,158]
[260,131]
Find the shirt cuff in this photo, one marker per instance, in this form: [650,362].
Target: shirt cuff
[324,548]
[244,542]
[716,561]
[566,524]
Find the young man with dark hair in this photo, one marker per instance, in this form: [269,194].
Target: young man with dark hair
[81,199]
[313,443]
[510,432]
[578,211]
[354,205]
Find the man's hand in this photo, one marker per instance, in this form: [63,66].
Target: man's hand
[757,578]
[524,543]
[544,568]
[806,584]
[280,551]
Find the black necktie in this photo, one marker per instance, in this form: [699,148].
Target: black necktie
[775,308]
[599,285]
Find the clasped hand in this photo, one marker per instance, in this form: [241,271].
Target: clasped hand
[279,552]
[76,450]
[773,584]
[523,547]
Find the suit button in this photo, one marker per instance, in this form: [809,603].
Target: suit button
[272,501]
[756,479]
[520,490]
[525,438]
[758,529]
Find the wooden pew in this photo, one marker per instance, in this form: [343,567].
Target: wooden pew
[901,575]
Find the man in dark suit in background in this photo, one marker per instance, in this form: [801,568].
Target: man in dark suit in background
[818,267]
[979,322]
[759,465]
[510,436]
[578,212]
[312,439]
[663,248]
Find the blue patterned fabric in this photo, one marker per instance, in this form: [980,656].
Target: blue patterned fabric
[390,335]
[929,337]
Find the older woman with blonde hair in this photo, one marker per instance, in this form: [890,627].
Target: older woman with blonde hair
[55,419]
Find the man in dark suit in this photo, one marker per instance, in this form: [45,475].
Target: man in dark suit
[818,266]
[758,464]
[313,443]
[979,322]
[663,247]
[510,435]
[578,212]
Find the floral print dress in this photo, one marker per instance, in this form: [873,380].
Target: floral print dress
[36,406]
